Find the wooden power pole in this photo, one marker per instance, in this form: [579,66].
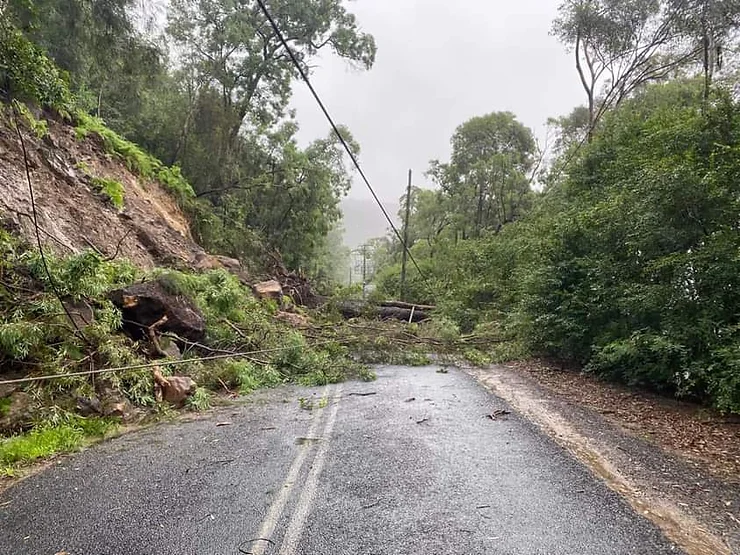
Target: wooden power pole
[405,253]
[364,270]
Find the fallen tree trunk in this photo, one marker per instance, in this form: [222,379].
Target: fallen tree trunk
[408,306]
[358,309]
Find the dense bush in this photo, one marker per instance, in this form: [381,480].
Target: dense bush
[628,262]
[26,74]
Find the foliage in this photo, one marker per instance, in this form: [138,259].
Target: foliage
[134,157]
[200,401]
[47,440]
[109,63]
[220,119]
[39,127]
[486,183]
[233,47]
[35,331]
[26,74]
[112,189]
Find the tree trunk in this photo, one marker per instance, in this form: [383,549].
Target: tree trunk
[358,309]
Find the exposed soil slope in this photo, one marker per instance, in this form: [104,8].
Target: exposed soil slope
[150,229]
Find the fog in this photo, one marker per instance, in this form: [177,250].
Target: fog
[439,63]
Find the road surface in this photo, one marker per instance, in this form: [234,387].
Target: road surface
[409,464]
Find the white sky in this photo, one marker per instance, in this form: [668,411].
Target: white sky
[439,63]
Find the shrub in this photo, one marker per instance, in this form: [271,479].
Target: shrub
[27,74]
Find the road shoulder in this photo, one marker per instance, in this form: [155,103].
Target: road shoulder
[695,507]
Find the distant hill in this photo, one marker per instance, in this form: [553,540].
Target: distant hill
[363,220]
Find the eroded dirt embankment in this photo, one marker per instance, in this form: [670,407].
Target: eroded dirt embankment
[150,230]
[634,443]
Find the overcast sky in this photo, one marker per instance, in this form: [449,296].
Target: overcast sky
[439,63]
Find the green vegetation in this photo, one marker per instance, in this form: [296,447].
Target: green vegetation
[112,189]
[39,127]
[46,440]
[200,401]
[135,158]
[616,250]
[26,74]
[221,120]
[625,263]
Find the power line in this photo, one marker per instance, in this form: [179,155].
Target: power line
[351,154]
[144,366]
[35,219]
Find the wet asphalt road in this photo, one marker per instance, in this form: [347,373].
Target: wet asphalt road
[416,468]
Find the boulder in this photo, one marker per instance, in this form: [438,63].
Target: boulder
[81,312]
[118,409]
[173,389]
[229,263]
[269,290]
[204,261]
[295,320]
[16,412]
[171,349]
[151,302]
[89,406]
[178,389]
[109,401]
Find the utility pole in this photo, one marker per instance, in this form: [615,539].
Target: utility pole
[364,270]
[405,254]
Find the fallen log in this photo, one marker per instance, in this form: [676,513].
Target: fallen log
[358,309]
[409,306]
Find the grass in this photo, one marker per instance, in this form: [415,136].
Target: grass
[45,441]
[39,127]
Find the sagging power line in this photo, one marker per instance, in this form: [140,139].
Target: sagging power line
[337,132]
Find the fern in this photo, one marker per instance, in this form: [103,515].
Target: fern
[135,158]
[112,189]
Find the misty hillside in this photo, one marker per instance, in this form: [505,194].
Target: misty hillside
[363,220]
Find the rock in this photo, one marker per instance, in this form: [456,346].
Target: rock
[110,402]
[89,406]
[171,349]
[231,264]
[10,224]
[204,262]
[119,409]
[179,388]
[295,320]
[151,302]
[82,313]
[7,390]
[16,412]
[269,290]
[173,389]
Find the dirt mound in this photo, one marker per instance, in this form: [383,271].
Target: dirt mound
[150,229]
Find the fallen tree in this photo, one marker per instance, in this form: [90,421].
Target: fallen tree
[385,311]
